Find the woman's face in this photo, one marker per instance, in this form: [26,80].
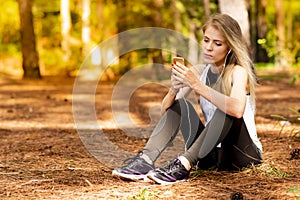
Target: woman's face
[214,46]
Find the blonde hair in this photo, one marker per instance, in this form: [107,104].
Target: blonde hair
[239,52]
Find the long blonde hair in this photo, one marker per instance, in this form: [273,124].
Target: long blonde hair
[239,51]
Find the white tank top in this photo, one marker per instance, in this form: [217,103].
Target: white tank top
[208,110]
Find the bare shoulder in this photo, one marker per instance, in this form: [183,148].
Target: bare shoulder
[239,70]
[239,73]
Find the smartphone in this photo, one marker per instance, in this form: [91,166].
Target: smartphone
[179,60]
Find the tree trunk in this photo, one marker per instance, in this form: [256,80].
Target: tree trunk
[177,26]
[100,17]
[289,34]
[157,22]
[261,54]
[65,28]
[86,32]
[176,16]
[28,43]
[238,10]
[193,45]
[206,9]
[292,45]
[122,25]
[280,60]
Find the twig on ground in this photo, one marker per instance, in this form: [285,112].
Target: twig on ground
[88,182]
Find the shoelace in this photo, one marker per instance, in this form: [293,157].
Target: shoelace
[173,165]
[132,161]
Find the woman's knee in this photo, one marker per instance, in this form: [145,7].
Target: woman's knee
[181,104]
[176,106]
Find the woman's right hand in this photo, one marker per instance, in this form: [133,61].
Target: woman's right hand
[175,84]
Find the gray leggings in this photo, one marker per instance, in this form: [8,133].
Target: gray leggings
[237,149]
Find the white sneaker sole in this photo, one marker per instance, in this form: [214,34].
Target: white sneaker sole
[142,178]
[151,175]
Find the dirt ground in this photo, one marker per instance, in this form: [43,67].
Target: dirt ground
[43,157]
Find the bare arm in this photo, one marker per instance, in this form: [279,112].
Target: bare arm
[234,104]
[179,90]
[168,101]
[171,96]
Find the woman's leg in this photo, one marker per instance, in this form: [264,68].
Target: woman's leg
[215,131]
[181,115]
[237,148]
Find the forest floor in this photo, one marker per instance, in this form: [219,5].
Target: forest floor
[43,157]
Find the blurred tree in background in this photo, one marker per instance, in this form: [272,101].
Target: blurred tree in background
[66,26]
[65,31]
[30,56]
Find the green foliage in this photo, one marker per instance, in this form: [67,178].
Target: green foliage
[294,190]
[144,194]
[264,65]
[274,171]
[102,28]
[294,78]
[193,11]
[53,64]
[269,44]
[48,32]
[10,49]
[51,59]
[292,47]
[9,26]
[123,15]
[196,173]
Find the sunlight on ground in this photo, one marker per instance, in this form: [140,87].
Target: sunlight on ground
[19,125]
[11,67]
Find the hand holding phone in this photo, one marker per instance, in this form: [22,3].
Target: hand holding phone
[179,60]
[176,85]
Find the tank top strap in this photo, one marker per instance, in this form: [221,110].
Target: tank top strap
[204,74]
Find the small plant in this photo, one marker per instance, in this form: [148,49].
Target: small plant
[295,111]
[274,171]
[294,78]
[296,133]
[283,121]
[195,173]
[296,191]
[144,195]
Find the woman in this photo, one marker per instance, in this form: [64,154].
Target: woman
[226,84]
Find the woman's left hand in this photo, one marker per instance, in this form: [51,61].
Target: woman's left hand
[184,74]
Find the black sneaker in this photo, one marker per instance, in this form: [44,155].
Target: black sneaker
[174,172]
[136,169]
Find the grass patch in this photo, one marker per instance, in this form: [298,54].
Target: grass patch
[264,65]
[144,194]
